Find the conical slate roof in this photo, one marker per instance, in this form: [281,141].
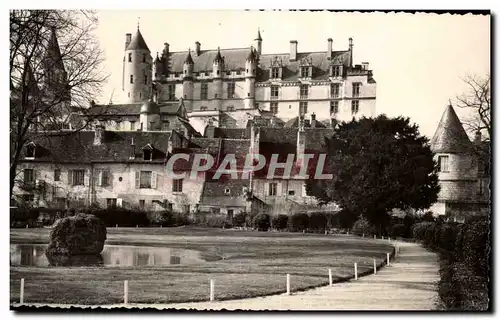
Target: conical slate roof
[189,59]
[218,57]
[251,56]
[450,135]
[137,42]
[258,35]
[53,54]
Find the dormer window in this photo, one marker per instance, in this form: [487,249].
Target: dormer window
[30,151]
[336,71]
[275,73]
[147,152]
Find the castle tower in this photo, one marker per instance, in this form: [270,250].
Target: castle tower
[250,73]
[187,82]
[218,70]
[149,117]
[157,68]
[258,43]
[457,164]
[137,69]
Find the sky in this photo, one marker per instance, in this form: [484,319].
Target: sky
[418,60]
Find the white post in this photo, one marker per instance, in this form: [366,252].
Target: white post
[27,227]
[388,256]
[212,289]
[374,236]
[347,232]
[137,226]
[355,271]
[382,237]
[326,232]
[363,235]
[374,266]
[21,293]
[125,292]
[389,239]
[330,279]
[116,226]
[288,284]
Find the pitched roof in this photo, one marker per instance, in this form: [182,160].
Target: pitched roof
[450,135]
[137,42]
[214,192]
[78,147]
[234,59]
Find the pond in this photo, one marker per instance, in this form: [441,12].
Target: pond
[112,256]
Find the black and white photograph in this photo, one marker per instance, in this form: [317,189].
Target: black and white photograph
[250,160]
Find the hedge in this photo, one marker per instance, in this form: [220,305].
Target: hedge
[298,222]
[279,222]
[318,221]
[262,222]
[240,219]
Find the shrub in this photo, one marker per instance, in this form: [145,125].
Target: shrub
[160,218]
[317,221]
[280,222]
[20,217]
[428,217]
[418,230]
[216,221]
[298,222]
[476,247]
[121,217]
[239,219]
[262,222]
[398,230]
[362,226]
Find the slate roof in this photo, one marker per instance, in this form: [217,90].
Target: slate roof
[137,42]
[232,133]
[214,193]
[234,59]
[450,135]
[294,123]
[78,147]
[53,54]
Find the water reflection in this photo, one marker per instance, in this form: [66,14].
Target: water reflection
[127,256]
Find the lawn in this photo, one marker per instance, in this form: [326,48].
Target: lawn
[254,264]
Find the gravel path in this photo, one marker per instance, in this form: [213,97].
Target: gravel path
[408,283]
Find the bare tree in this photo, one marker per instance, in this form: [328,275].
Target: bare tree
[55,69]
[478,100]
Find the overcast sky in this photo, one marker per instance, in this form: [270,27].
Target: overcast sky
[417,59]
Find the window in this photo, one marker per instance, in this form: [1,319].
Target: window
[111,202]
[145,79]
[28,198]
[334,90]
[30,151]
[291,192]
[144,56]
[78,177]
[186,208]
[304,72]
[218,71]
[145,179]
[303,108]
[334,106]
[148,154]
[140,94]
[228,73]
[355,89]
[57,175]
[336,71]
[129,57]
[230,108]
[230,90]
[132,125]
[166,125]
[443,164]
[275,73]
[304,91]
[142,204]
[171,92]
[131,78]
[275,92]
[227,191]
[103,178]
[354,106]
[273,188]
[177,185]
[29,175]
[230,213]
[274,107]
[203,108]
[204,91]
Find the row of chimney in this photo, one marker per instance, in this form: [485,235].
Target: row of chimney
[329,52]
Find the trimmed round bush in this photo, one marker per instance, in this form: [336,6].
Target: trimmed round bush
[239,219]
[362,226]
[298,222]
[74,237]
[318,221]
[280,222]
[262,222]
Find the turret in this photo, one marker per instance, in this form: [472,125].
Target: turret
[157,68]
[218,69]
[137,70]
[250,73]
[150,116]
[258,43]
[187,83]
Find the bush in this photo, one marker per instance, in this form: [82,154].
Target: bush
[428,217]
[239,219]
[362,226]
[262,222]
[418,230]
[121,217]
[216,221]
[318,221]
[298,222]
[160,218]
[398,230]
[476,247]
[280,222]
[22,217]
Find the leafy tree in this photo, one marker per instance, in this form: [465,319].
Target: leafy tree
[378,164]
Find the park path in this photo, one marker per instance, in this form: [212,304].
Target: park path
[408,283]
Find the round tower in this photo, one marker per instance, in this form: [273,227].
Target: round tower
[137,69]
[150,116]
[258,43]
[157,68]
[457,165]
[187,82]
[250,73]
[217,71]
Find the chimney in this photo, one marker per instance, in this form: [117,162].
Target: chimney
[128,38]
[365,65]
[329,51]
[197,47]
[293,50]
[350,52]
[132,149]
[313,120]
[477,137]
[98,134]
[166,49]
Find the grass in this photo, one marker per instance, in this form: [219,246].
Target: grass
[254,264]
